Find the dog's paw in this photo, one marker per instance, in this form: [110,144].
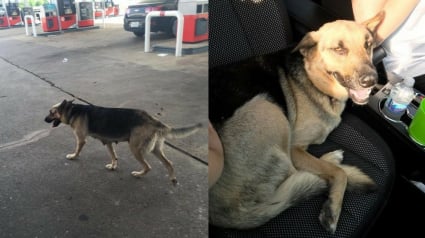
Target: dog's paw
[71,156]
[111,166]
[138,174]
[335,157]
[174,181]
[328,218]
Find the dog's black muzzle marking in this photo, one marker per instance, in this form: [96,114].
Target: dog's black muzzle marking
[50,119]
[368,80]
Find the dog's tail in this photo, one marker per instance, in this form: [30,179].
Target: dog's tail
[298,187]
[357,180]
[183,131]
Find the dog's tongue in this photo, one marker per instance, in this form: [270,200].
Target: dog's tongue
[360,96]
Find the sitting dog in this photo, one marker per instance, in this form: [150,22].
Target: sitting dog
[268,109]
[142,132]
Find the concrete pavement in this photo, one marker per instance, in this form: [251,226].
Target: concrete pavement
[42,194]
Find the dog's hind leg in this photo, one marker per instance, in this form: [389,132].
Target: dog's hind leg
[80,137]
[335,177]
[159,153]
[113,165]
[139,147]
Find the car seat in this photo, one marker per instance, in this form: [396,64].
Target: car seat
[243,28]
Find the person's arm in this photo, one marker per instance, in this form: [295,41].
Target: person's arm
[396,12]
[215,156]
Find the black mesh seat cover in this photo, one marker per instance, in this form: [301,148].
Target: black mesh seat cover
[243,28]
[362,148]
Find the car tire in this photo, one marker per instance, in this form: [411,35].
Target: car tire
[172,29]
[139,33]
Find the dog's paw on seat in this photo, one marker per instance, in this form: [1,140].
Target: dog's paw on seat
[329,218]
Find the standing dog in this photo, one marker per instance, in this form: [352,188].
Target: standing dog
[142,132]
[282,103]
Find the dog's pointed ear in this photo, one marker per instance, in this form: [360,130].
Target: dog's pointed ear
[307,43]
[62,106]
[373,23]
[64,102]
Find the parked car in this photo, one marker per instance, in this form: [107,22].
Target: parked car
[135,15]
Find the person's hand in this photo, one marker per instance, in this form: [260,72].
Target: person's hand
[215,156]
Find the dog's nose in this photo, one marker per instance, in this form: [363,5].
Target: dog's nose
[48,119]
[368,80]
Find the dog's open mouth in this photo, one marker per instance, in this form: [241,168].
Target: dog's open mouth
[360,96]
[55,121]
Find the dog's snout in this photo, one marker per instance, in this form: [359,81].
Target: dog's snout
[368,80]
[48,119]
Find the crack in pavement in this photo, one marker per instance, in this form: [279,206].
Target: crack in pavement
[45,80]
[35,136]
[29,138]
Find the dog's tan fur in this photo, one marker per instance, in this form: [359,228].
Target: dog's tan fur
[143,132]
[267,168]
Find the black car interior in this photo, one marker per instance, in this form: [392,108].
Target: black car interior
[244,28]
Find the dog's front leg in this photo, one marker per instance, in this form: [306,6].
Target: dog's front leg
[333,175]
[80,138]
[113,165]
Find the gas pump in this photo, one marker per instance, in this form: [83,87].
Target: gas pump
[49,17]
[67,14]
[3,16]
[110,8]
[37,14]
[10,15]
[27,11]
[85,14]
[195,14]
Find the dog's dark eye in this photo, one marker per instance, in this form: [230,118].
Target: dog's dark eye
[340,50]
[368,45]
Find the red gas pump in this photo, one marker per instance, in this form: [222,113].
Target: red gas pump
[67,14]
[110,8]
[85,14]
[195,13]
[10,15]
[49,18]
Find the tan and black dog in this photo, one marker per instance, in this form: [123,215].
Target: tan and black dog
[282,103]
[143,132]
